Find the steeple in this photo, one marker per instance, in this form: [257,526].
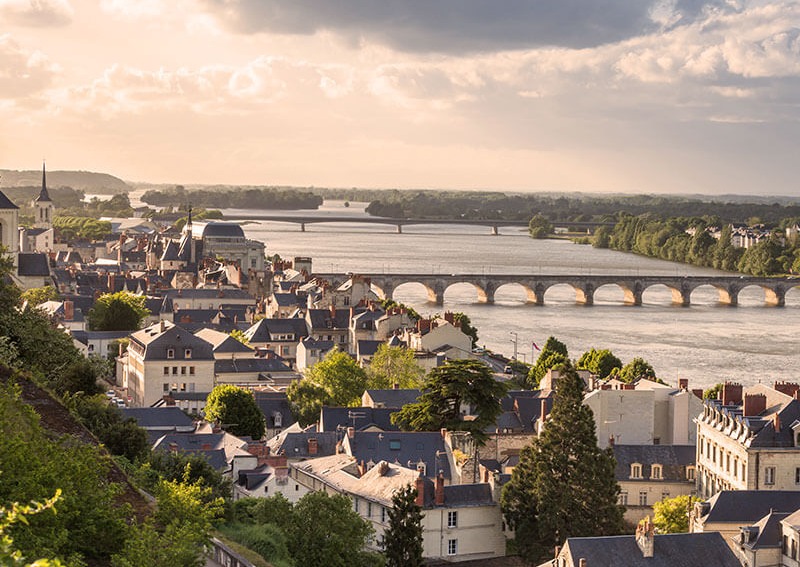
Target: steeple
[43,194]
[43,206]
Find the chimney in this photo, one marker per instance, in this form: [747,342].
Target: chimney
[644,537]
[351,432]
[628,387]
[420,486]
[438,495]
[312,446]
[395,385]
[362,468]
[683,384]
[611,441]
[698,392]
[162,326]
[754,404]
[582,562]
[333,312]
[448,316]
[543,409]
[383,468]
[731,394]
[69,310]
[443,431]
[776,423]
[788,388]
[205,447]
[112,282]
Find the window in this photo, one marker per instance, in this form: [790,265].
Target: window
[383,515]
[793,553]
[655,472]
[187,353]
[452,546]
[664,495]
[174,370]
[643,498]
[769,475]
[636,470]
[355,503]
[91,348]
[183,370]
[690,473]
[170,353]
[452,519]
[166,370]
[623,498]
[394,444]
[728,462]
[166,387]
[191,370]
[797,475]
[369,509]
[785,546]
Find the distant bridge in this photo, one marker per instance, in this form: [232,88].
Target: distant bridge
[494,225]
[585,286]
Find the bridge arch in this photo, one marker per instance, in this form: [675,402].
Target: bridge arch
[530,293]
[485,293]
[612,292]
[434,294]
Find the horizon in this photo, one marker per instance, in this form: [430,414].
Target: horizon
[663,97]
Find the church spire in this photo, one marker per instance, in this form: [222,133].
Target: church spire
[43,194]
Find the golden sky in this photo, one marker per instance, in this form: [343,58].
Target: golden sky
[681,96]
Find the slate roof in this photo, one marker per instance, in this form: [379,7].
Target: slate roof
[324,319]
[155,343]
[669,550]
[287,299]
[263,331]
[217,229]
[405,448]
[5,202]
[223,342]
[218,448]
[294,444]
[393,398]
[746,507]
[312,343]
[158,418]
[361,418]
[456,495]
[673,458]
[207,294]
[272,403]
[765,533]
[368,347]
[262,365]
[33,264]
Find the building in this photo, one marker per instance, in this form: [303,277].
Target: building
[645,549]
[749,440]
[460,522]
[647,474]
[165,358]
[218,239]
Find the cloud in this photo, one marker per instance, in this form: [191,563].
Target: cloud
[22,73]
[36,13]
[452,26]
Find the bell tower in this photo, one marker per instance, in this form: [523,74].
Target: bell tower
[43,205]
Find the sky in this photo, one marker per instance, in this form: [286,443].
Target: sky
[644,96]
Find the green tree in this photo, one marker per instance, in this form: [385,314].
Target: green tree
[402,539]
[38,295]
[600,362]
[121,311]
[462,321]
[17,513]
[635,369]
[235,409]
[713,393]
[539,227]
[393,365]
[601,237]
[325,530]
[564,484]
[307,400]
[340,376]
[80,376]
[240,336]
[445,389]
[553,353]
[671,515]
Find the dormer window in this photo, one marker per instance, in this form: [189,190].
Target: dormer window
[690,473]
[636,470]
[170,353]
[187,353]
[656,472]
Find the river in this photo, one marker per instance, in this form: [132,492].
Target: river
[706,342]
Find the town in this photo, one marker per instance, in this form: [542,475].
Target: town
[286,386]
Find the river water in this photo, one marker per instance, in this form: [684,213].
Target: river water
[706,342]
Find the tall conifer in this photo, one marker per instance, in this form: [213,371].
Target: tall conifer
[403,537]
[564,484]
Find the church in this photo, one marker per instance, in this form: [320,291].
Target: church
[28,247]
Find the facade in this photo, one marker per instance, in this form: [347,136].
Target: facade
[749,440]
[165,358]
[460,523]
[217,239]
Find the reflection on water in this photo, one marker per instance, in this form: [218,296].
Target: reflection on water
[706,342]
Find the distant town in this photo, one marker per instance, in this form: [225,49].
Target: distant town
[241,409]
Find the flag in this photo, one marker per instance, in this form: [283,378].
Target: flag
[533,344]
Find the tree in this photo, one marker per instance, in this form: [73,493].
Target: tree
[240,336]
[307,400]
[539,227]
[600,362]
[671,515]
[564,484]
[394,365]
[121,311]
[80,376]
[713,393]
[38,295]
[340,376]
[325,530]
[462,321]
[553,353]
[235,409]
[601,237]
[402,539]
[446,388]
[16,513]
[635,369]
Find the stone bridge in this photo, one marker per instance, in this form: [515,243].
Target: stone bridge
[585,286]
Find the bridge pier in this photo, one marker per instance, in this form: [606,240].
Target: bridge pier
[633,296]
[495,231]
[729,296]
[302,227]
[682,296]
[399,229]
[585,295]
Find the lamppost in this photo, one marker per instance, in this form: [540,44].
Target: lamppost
[515,340]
